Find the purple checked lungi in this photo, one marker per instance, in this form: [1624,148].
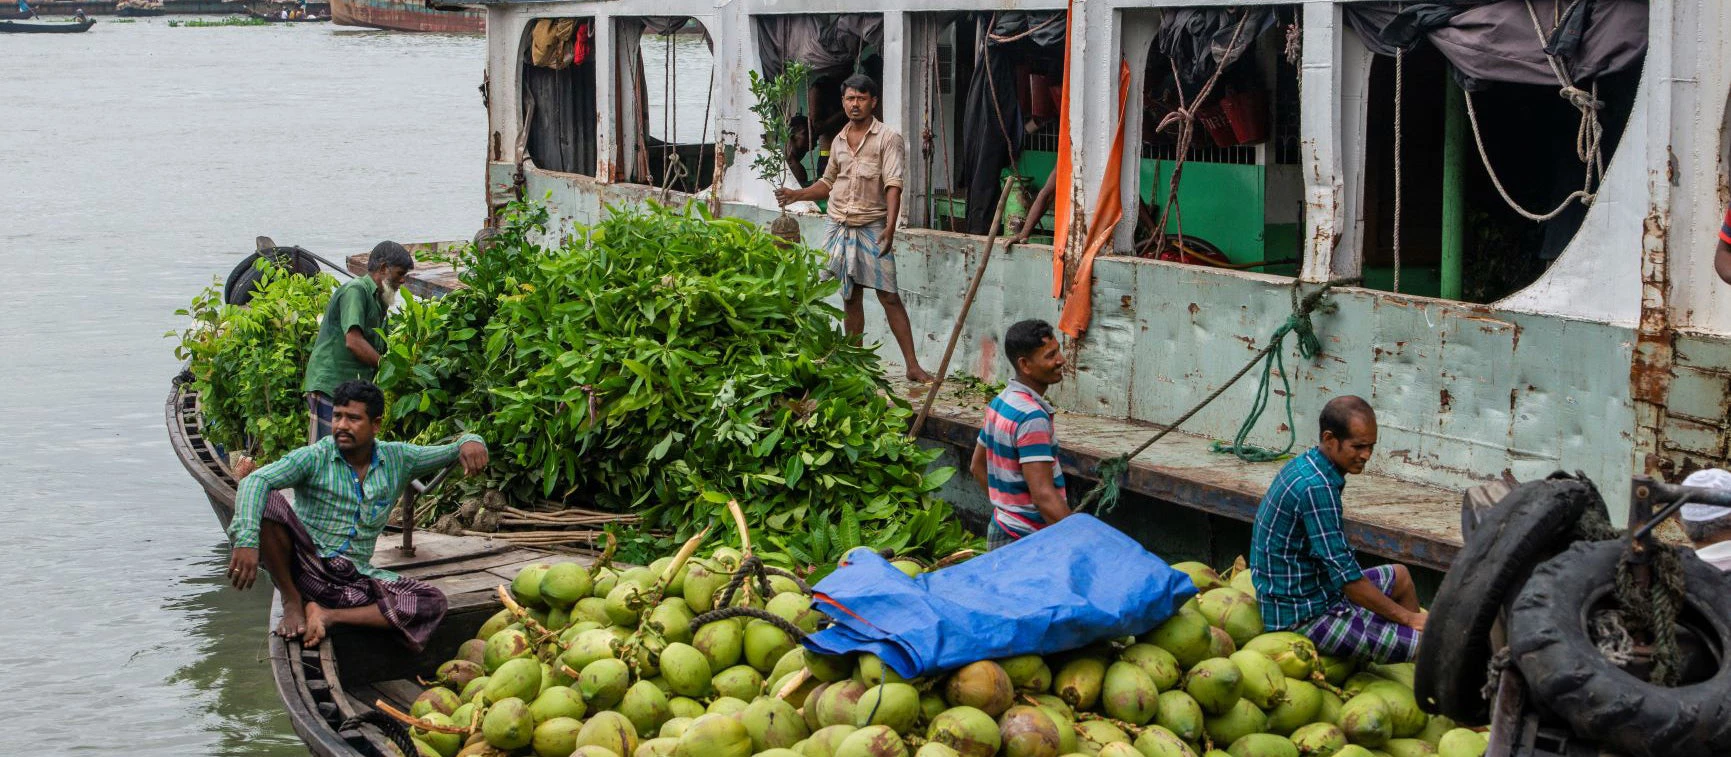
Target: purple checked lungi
[1347,630]
[413,607]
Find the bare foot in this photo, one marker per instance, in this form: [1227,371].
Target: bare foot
[294,621]
[315,632]
[918,375]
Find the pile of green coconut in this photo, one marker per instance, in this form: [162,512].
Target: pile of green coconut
[603,662]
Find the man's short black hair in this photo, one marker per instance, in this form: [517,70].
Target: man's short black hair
[861,83]
[1024,338]
[364,392]
[798,124]
[1338,414]
[388,254]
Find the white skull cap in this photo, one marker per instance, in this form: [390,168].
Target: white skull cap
[1707,478]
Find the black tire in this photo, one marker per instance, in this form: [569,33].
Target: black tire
[238,289]
[1530,525]
[1566,673]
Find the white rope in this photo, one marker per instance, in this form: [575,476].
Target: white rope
[1399,105]
[1588,136]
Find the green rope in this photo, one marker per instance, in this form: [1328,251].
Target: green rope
[1109,475]
[1275,360]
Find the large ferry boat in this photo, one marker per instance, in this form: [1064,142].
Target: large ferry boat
[407,15]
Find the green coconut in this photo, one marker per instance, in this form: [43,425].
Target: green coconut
[686,669]
[588,647]
[563,584]
[1366,720]
[837,703]
[555,737]
[526,587]
[982,685]
[933,749]
[1303,702]
[609,730]
[1098,733]
[508,725]
[1022,668]
[871,671]
[1119,749]
[702,584]
[1262,745]
[685,707]
[507,644]
[1029,732]
[596,751]
[1159,664]
[473,690]
[1233,611]
[1155,741]
[1220,643]
[675,726]
[726,706]
[1293,652]
[765,644]
[1319,739]
[872,741]
[1408,748]
[496,623]
[1216,684]
[722,642]
[1179,713]
[824,741]
[1080,681]
[465,716]
[1354,750]
[1243,581]
[515,679]
[1329,711]
[437,699]
[1434,728]
[676,582]
[714,736]
[674,618]
[773,724]
[474,650]
[622,604]
[1405,716]
[558,702]
[1356,683]
[792,661]
[657,747]
[590,610]
[896,705]
[968,730]
[1461,742]
[828,668]
[1186,637]
[645,706]
[1203,576]
[603,683]
[795,608]
[442,744]
[1241,720]
[1264,684]
[1129,694]
[739,682]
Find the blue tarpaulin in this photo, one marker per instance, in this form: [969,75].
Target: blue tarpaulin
[1068,585]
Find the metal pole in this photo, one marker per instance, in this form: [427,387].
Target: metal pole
[1453,203]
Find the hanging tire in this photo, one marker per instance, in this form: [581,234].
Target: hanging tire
[1566,673]
[238,289]
[1533,523]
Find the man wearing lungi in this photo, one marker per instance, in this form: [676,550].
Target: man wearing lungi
[349,341]
[1307,578]
[863,183]
[319,550]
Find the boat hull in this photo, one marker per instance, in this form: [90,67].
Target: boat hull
[403,15]
[20,27]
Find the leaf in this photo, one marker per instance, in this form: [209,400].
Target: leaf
[934,480]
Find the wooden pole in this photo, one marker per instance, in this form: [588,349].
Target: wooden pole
[962,317]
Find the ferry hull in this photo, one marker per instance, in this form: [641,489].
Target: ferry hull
[404,15]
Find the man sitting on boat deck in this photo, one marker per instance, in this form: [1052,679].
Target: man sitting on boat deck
[1708,526]
[320,549]
[1306,576]
[350,340]
[1016,456]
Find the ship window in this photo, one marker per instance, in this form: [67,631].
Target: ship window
[666,93]
[1529,137]
[987,93]
[559,94]
[832,47]
[1236,200]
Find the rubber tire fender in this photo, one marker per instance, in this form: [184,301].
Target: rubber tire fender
[238,289]
[1565,672]
[1533,523]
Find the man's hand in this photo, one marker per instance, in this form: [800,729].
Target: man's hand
[243,567]
[886,241]
[783,196]
[1416,620]
[473,456]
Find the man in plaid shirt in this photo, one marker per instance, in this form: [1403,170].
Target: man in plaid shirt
[1307,578]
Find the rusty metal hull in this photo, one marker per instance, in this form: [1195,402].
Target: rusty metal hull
[402,15]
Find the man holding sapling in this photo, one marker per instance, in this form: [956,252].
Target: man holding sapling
[863,183]
[1016,455]
[319,550]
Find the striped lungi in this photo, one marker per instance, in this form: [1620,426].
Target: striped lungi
[1347,630]
[857,258]
[413,607]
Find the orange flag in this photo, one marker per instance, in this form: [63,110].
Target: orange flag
[1079,306]
[1062,208]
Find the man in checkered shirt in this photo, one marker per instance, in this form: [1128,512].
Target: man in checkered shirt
[1307,578]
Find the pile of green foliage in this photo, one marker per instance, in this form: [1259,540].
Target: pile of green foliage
[247,362]
[664,362]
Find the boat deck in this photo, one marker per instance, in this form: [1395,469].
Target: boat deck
[1413,523]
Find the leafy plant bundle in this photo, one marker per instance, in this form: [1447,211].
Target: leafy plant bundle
[247,362]
[665,362]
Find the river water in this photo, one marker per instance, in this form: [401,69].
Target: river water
[140,160]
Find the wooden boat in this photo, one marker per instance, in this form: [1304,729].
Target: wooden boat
[135,12]
[407,16]
[26,27]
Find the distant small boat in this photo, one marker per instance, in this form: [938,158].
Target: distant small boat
[135,12]
[28,27]
[276,18]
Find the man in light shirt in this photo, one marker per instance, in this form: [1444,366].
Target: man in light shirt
[1707,526]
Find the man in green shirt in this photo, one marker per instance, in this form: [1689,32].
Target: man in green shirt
[319,550]
[350,336]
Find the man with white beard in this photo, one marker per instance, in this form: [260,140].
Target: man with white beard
[351,336]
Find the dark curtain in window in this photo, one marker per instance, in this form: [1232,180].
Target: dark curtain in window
[562,127]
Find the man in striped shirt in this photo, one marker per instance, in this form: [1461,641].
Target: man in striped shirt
[1306,576]
[319,551]
[1016,455]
